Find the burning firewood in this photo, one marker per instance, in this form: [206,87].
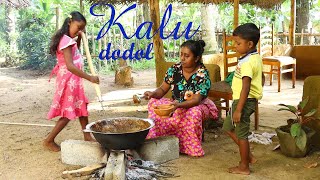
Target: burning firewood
[122,165]
[83,171]
[139,169]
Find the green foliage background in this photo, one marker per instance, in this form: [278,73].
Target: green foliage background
[36,25]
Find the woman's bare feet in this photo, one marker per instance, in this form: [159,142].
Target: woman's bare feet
[238,170]
[52,146]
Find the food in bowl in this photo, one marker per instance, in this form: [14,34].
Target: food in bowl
[120,126]
[164,110]
[120,141]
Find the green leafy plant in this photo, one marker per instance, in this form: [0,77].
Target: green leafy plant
[33,44]
[301,118]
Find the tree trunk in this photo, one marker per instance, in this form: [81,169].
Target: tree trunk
[10,27]
[10,38]
[146,13]
[81,7]
[157,41]
[123,76]
[303,7]
[208,24]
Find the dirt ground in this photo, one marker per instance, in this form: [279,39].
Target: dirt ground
[26,97]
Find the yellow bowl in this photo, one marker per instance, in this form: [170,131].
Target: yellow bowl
[164,110]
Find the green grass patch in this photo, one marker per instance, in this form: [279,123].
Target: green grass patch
[143,64]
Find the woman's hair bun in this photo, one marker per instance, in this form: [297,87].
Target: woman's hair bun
[203,44]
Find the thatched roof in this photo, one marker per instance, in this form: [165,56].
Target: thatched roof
[116,1]
[16,3]
[266,4]
[259,3]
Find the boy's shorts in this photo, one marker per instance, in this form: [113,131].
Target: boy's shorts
[242,128]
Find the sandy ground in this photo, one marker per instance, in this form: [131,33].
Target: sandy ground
[26,98]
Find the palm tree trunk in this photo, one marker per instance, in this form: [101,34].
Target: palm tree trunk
[146,13]
[10,27]
[303,8]
[208,24]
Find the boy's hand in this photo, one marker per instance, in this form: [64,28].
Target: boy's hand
[236,116]
[94,79]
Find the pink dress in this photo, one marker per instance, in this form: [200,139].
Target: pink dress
[69,100]
[185,124]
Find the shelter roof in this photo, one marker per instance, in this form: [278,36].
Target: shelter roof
[259,3]
[16,3]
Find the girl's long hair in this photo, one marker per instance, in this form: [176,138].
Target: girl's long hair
[64,30]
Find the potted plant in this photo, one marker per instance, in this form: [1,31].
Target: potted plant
[295,137]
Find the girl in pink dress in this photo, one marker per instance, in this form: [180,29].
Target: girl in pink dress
[69,101]
[189,82]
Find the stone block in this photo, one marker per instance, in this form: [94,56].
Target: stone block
[160,150]
[78,152]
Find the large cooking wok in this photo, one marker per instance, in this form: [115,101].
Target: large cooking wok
[120,133]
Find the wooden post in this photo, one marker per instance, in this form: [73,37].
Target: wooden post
[99,50]
[115,40]
[236,14]
[301,40]
[99,46]
[81,7]
[94,54]
[283,27]
[157,41]
[272,40]
[57,18]
[292,26]
[105,47]
[128,61]
[259,42]
[121,42]
[225,59]
[167,51]
[284,31]
[310,37]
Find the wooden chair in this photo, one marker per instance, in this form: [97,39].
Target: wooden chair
[278,64]
[222,90]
